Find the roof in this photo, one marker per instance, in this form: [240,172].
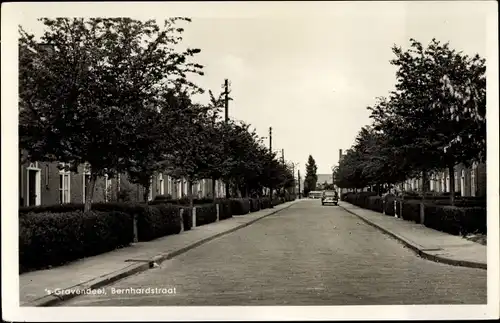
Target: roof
[321,179]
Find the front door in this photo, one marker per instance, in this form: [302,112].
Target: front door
[32,187]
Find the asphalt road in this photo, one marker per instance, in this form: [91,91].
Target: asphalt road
[307,254]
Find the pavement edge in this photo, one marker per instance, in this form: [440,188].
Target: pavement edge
[420,252]
[52,299]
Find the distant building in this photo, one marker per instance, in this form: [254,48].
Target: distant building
[469,181]
[42,183]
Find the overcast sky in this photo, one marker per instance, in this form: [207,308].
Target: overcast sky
[311,71]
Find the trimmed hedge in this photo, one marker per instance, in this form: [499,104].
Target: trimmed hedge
[389,204]
[360,199]
[375,203]
[254,205]
[56,208]
[52,239]
[159,199]
[411,211]
[187,217]
[265,203]
[240,206]
[205,214]
[158,221]
[456,220]
[153,221]
[224,209]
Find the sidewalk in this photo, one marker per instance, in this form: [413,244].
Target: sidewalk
[101,270]
[427,243]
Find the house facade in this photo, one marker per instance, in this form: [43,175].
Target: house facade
[44,183]
[469,181]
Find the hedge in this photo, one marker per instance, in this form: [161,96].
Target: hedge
[411,211]
[240,206]
[205,214]
[389,204]
[224,209]
[187,217]
[254,205]
[56,208]
[456,220]
[158,221]
[52,239]
[181,201]
[375,203]
[359,199]
[153,221]
[265,203]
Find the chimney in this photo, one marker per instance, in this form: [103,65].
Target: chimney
[340,155]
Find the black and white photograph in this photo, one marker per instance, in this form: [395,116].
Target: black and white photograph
[250,160]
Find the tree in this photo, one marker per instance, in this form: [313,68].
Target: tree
[216,128]
[440,96]
[86,85]
[311,177]
[189,153]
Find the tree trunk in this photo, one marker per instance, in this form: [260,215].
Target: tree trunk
[451,171]
[89,192]
[190,193]
[227,189]
[213,190]
[424,184]
[146,193]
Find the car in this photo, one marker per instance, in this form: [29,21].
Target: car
[330,197]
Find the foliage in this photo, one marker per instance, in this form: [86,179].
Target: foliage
[311,175]
[88,89]
[52,239]
[205,214]
[434,119]
[158,221]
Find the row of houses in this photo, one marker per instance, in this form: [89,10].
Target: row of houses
[44,183]
[469,181]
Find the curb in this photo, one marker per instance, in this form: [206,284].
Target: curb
[421,253]
[51,300]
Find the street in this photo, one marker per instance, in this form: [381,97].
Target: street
[307,254]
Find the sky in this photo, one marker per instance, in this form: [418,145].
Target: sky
[309,72]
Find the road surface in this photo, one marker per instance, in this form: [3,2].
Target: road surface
[307,254]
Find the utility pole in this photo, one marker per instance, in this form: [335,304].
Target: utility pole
[293,173]
[271,140]
[283,156]
[226,109]
[299,183]
[271,151]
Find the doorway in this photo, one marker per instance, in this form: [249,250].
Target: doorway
[33,197]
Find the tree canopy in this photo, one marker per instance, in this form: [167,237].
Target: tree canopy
[433,120]
[311,177]
[115,93]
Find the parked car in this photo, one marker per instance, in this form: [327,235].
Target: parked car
[330,197]
[315,194]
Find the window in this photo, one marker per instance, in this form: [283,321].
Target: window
[86,180]
[447,183]
[107,188]
[462,183]
[150,195]
[169,185]
[433,178]
[119,182]
[64,185]
[473,180]
[161,188]
[456,181]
